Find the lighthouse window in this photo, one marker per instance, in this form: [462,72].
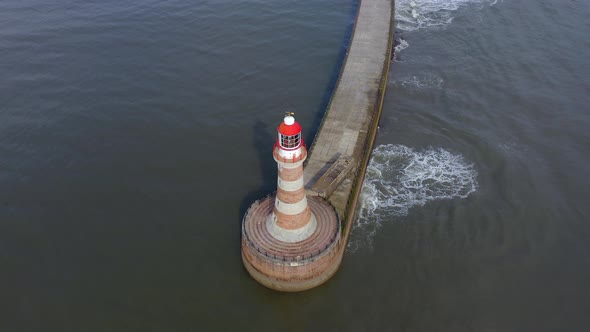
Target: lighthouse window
[290,141]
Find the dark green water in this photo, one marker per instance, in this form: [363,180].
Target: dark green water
[133,136]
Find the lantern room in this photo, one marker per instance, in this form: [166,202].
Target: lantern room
[289,133]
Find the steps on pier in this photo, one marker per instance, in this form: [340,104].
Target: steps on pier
[333,177]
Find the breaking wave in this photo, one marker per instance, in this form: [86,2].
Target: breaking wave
[400,45]
[399,178]
[417,14]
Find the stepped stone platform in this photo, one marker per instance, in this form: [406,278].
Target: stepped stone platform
[286,265]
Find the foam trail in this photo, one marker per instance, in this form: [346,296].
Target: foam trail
[399,178]
[418,14]
[421,81]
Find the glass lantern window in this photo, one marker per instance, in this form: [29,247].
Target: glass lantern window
[290,142]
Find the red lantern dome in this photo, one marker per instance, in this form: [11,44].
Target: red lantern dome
[289,136]
[289,126]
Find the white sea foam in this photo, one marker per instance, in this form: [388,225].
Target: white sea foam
[402,44]
[417,14]
[399,178]
[421,81]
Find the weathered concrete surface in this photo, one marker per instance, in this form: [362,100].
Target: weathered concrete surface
[333,177]
[351,119]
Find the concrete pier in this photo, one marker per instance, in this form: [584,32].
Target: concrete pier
[349,126]
[333,171]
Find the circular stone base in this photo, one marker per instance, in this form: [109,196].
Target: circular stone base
[291,266]
[292,285]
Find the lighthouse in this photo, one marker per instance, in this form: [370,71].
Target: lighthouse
[291,220]
[290,240]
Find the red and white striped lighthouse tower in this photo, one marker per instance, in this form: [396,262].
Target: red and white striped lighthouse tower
[292,219]
[290,240]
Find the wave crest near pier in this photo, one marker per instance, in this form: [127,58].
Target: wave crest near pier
[399,178]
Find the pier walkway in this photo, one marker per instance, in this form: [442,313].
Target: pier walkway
[348,129]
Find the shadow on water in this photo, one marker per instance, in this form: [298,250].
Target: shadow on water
[262,135]
[335,73]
